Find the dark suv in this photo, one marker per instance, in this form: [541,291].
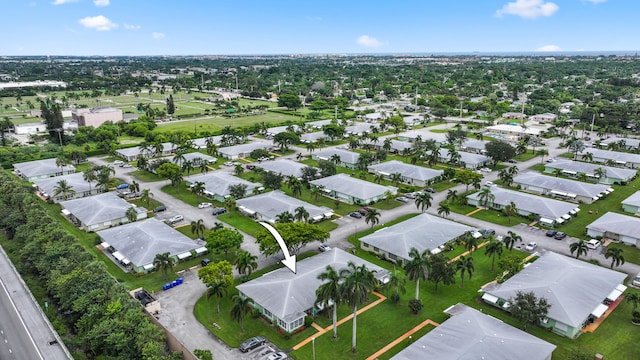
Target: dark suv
[218,211]
[252,343]
[559,235]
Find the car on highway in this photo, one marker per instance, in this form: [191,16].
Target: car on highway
[324,248]
[559,235]
[204,205]
[403,199]
[218,211]
[356,215]
[252,343]
[531,246]
[551,233]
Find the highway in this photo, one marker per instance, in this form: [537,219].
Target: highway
[15,340]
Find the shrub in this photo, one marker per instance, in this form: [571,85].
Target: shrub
[415,305]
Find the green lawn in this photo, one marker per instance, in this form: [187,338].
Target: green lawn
[153,203]
[216,123]
[180,192]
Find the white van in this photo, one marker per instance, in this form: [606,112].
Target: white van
[593,244]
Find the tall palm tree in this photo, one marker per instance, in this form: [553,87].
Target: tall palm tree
[470,243]
[146,196]
[423,200]
[245,263]
[198,228]
[377,178]
[543,153]
[579,247]
[163,262]
[131,214]
[444,210]
[600,173]
[330,292]
[464,265]
[188,167]
[335,158]
[358,282]
[510,210]
[61,162]
[396,178]
[397,280]
[372,216]
[492,249]
[511,239]
[301,214]
[63,187]
[418,267]
[135,186]
[89,176]
[241,308]
[452,195]
[284,217]
[198,189]
[218,290]
[486,196]
[238,170]
[615,253]
[296,187]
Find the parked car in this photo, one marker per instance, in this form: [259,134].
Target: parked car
[122,186]
[551,233]
[487,232]
[403,199]
[324,248]
[160,208]
[218,211]
[430,190]
[489,183]
[511,161]
[410,195]
[204,205]
[531,246]
[252,343]
[356,215]
[593,244]
[636,280]
[364,210]
[176,219]
[205,262]
[559,235]
[250,167]
[277,356]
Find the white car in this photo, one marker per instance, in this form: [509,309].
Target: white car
[276,356]
[531,246]
[176,219]
[204,205]
[489,183]
[324,247]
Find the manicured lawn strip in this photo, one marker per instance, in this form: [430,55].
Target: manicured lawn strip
[327,225]
[528,155]
[147,176]
[241,222]
[396,349]
[180,192]
[489,215]
[631,253]
[152,204]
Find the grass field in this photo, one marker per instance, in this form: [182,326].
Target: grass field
[217,123]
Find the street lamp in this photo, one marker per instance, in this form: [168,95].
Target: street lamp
[313,347]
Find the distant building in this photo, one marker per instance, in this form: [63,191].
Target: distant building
[96,116]
[546,117]
[41,169]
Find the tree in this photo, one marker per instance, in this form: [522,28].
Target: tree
[499,151]
[146,196]
[224,240]
[444,209]
[397,280]
[452,195]
[63,187]
[492,249]
[442,271]
[510,210]
[164,262]
[308,173]
[301,214]
[579,247]
[327,168]
[330,292]
[245,263]
[358,281]
[90,176]
[464,265]
[295,235]
[218,277]
[470,243]
[396,178]
[290,101]
[238,191]
[198,228]
[131,214]
[600,173]
[169,171]
[296,187]
[171,108]
[285,139]
[284,217]
[179,158]
[511,239]
[417,267]
[372,216]
[529,309]
[333,131]
[634,299]
[615,253]
[241,308]
[198,188]
[486,196]
[272,180]
[423,200]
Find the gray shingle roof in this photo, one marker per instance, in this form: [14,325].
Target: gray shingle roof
[313,136]
[243,148]
[553,183]
[98,209]
[613,155]
[572,287]
[633,200]
[347,157]
[75,181]
[546,207]
[40,167]
[470,334]
[276,202]
[357,188]
[288,295]
[589,169]
[407,170]
[398,145]
[218,182]
[425,134]
[142,240]
[466,157]
[285,167]
[617,224]
[423,232]
[628,141]
[201,143]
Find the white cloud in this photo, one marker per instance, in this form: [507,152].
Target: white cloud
[99,23]
[101,2]
[60,2]
[368,41]
[549,48]
[157,35]
[132,27]
[528,9]
[595,1]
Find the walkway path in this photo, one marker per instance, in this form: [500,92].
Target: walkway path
[402,338]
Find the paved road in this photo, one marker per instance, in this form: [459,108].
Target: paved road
[25,333]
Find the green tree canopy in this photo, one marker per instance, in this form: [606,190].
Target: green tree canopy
[296,235]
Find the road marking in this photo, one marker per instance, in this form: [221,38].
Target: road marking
[21,321]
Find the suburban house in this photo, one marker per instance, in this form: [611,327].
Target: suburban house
[548,212]
[135,245]
[545,118]
[514,115]
[286,298]
[608,174]
[470,334]
[352,190]
[46,187]
[397,146]
[319,123]
[267,207]
[614,158]
[99,212]
[616,227]
[411,174]
[423,232]
[348,159]
[132,153]
[510,132]
[576,290]
[565,189]
[201,143]
[313,137]
[620,143]
[424,134]
[41,169]
[280,129]
[243,150]
[474,146]
[468,160]
[196,159]
[217,184]
[358,129]
[632,203]
[284,167]
[96,116]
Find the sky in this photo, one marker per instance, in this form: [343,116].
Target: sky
[251,27]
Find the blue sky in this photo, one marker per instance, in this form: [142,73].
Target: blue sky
[228,27]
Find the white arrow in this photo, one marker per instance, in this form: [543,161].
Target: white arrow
[289,260]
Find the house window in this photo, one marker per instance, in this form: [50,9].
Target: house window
[375,249]
[267,313]
[365,245]
[298,323]
[282,324]
[392,256]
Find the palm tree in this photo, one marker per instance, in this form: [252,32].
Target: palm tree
[444,209]
[284,217]
[146,196]
[358,281]
[492,249]
[301,214]
[372,216]
[203,167]
[378,178]
[588,157]
[423,200]
[579,247]
[61,162]
[397,280]
[510,210]
[89,176]
[230,204]
[246,263]
[198,189]
[335,158]
[241,308]
[557,172]
[63,187]
[464,265]
[135,186]
[330,291]
[486,196]
[131,214]
[543,153]
[615,253]
[238,170]
[188,167]
[310,147]
[198,228]
[163,262]
[511,239]
[470,243]
[296,187]
[218,290]
[179,158]
[452,195]
[396,178]
[418,267]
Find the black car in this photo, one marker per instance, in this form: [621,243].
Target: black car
[356,215]
[559,235]
[205,262]
[252,343]
[218,211]
[551,233]
[160,208]
[430,190]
